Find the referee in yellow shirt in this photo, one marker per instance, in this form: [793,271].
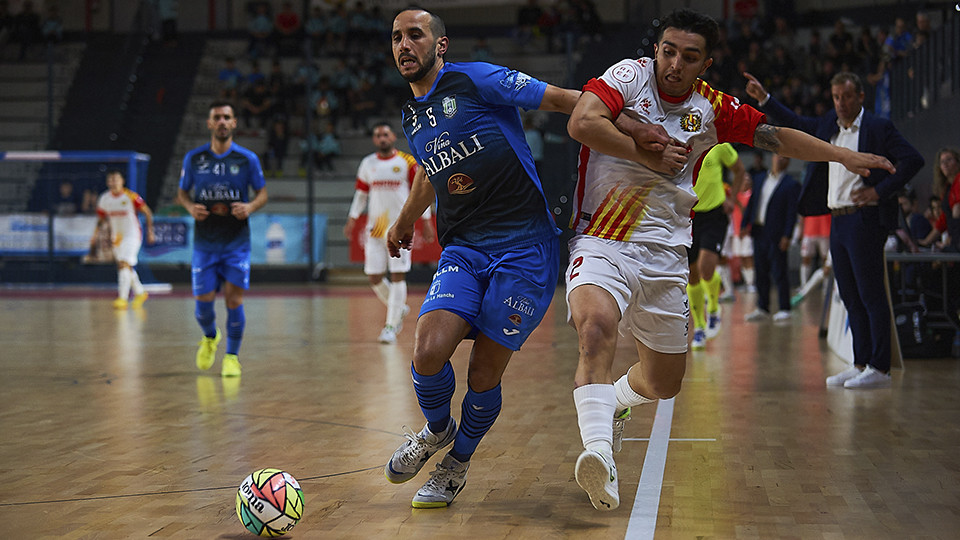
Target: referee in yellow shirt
[710,222]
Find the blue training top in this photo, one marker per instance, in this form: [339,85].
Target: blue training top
[217,181]
[467,135]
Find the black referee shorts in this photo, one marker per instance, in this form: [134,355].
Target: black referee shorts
[709,232]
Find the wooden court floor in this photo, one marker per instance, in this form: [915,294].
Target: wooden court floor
[109,431]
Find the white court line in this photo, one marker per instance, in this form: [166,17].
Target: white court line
[643,517]
[672,439]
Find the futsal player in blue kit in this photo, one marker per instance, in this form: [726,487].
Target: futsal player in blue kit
[498,269]
[221,175]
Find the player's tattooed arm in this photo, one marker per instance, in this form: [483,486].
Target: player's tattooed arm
[796,144]
[767,137]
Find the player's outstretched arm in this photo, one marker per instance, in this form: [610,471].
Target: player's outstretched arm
[799,145]
[421,196]
[556,99]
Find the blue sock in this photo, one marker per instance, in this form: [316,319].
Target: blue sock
[477,414]
[207,318]
[434,393]
[236,320]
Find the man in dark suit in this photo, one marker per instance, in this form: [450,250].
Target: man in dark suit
[770,216]
[864,209]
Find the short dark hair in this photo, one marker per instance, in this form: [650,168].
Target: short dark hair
[382,123]
[844,76]
[117,171]
[695,23]
[437,28]
[222,103]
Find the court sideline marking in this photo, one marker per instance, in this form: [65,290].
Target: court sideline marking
[643,516]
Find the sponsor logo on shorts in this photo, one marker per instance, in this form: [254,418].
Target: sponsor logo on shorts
[511,331]
[521,304]
[445,269]
[515,319]
[460,184]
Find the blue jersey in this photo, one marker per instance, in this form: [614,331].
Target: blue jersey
[467,135]
[217,181]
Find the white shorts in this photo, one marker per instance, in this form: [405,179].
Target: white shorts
[648,281]
[810,245]
[377,260]
[127,249]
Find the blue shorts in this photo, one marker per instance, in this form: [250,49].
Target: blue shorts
[208,270]
[503,294]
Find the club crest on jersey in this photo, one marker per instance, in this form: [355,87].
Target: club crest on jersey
[691,122]
[396,169]
[460,184]
[515,319]
[234,169]
[449,106]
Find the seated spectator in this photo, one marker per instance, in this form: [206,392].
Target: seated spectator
[365,101]
[255,75]
[26,28]
[326,102]
[913,222]
[548,23]
[946,178]
[6,24]
[230,79]
[307,75]
[315,29]
[344,79]
[66,202]
[337,25]
[528,19]
[481,51]
[358,33]
[52,27]
[260,31]
[256,103]
[277,141]
[279,88]
[324,148]
[287,27]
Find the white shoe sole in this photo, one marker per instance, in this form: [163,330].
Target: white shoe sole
[592,474]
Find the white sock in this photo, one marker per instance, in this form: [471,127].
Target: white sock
[595,406]
[135,283]
[725,278]
[805,274]
[748,276]
[626,396]
[123,283]
[398,299]
[383,291]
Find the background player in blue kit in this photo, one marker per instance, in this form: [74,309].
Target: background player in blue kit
[221,175]
[498,269]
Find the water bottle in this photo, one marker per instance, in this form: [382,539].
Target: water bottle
[276,243]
